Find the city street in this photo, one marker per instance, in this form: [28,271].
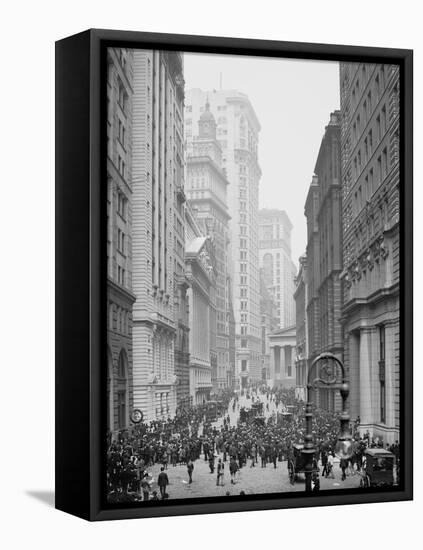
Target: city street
[254,480]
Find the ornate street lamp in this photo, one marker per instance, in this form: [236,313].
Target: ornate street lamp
[326,377]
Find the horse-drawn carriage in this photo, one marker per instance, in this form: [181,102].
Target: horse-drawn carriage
[296,462]
[253,414]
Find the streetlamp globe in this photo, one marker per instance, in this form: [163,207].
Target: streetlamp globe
[344,447]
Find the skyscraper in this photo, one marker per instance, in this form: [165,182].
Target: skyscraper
[237,129]
[119,223]
[324,255]
[206,190]
[200,270]
[370,215]
[275,258]
[158,249]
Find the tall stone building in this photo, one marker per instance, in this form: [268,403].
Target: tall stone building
[158,248]
[370,214]
[181,311]
[119,251]
[200,271]
[301,357]
[329,220]
[324,255]
[206,191]
[237,133]
[275,258]
[269,323]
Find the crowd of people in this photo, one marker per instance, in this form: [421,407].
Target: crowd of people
[260,440]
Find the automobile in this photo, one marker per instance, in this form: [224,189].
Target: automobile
[378,468]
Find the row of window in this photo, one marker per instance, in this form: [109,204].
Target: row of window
[119,319]
[364,192]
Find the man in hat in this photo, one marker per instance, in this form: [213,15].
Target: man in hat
[220,468]
[190,469]
[162,482]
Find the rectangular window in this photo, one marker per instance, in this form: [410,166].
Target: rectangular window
[378,129]
[122,97]
[379,169]
[383,119]
[121,209]
[385,162]
[377,87]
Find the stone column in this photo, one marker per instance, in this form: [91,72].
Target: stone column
[353,367]
[365,361]
[282,366]
[277,352]
[272,363]
[390,376]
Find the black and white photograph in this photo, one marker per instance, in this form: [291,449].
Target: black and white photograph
[253,276]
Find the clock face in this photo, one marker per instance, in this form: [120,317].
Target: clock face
[136,416]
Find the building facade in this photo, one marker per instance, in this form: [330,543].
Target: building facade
[200,270]
[119,252]
[329,221]
[301,359]
[370,208]
[206,190]
[282,344]
[157,180]
[275,258]
[269,323]
[237,133]
[323,210]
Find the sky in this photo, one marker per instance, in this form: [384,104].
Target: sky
[293,100]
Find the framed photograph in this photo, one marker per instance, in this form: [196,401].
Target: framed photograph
[234,274]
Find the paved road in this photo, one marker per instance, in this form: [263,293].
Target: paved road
[254,480]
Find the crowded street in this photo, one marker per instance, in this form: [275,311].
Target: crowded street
[239,452]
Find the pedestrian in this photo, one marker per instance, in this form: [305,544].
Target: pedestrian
[233,468]
[164,459]
[274,455]
[330,465]
[211,463]
[324,458]
[206,449]
[343,465]
[145,488]
[162,482]
[263,457]
[190,468]
[220,469]
[316,483]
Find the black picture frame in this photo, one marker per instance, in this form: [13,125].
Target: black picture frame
[80,268]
